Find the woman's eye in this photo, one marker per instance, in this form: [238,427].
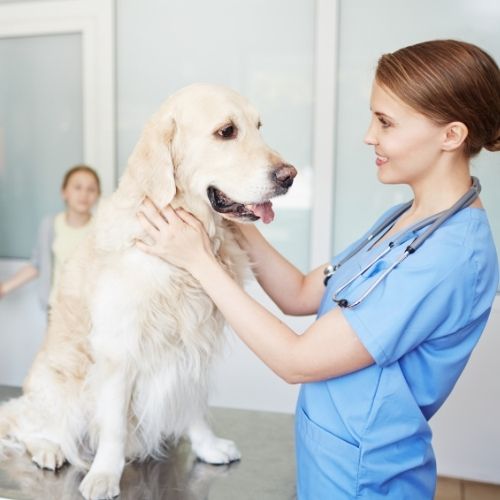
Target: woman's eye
[384,122]
[227,132]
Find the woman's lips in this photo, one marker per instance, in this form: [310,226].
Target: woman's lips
[381,160]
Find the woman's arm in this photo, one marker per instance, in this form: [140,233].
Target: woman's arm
[25,274]
[292,291]
[327,349]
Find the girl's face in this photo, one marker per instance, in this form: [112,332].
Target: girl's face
[81,192]
[407,144]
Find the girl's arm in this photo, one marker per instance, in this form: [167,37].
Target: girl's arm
[327,349]
[25,274]
[292,291]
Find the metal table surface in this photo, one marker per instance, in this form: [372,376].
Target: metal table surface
[265,472]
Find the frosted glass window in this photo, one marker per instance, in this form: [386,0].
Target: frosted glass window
[389,25]
[264,49]
[40,132]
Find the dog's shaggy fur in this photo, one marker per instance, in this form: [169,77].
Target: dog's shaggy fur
[125,363]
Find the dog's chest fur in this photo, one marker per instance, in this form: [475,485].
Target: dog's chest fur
[157,310]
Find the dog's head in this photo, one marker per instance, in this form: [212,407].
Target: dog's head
[204,147]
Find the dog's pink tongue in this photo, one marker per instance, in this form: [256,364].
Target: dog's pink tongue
[264,211]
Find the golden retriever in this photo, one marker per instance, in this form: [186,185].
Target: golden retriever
[125,364]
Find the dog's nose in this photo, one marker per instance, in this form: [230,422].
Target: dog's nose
[283,175]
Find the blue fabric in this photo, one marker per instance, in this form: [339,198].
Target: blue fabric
[365,434]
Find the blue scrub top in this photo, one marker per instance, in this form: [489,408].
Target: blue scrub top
[365,434]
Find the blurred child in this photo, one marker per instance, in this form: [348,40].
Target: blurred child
[59,235]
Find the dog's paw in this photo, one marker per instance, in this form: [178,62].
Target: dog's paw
[51,460]
[218,451]
[100,486]
[46,454]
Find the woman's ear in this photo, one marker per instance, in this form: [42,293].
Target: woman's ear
[456,133]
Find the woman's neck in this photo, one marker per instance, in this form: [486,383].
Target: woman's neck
[77,219]
[440,190]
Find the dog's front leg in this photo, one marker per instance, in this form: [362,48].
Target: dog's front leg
[208,447]
[112,399]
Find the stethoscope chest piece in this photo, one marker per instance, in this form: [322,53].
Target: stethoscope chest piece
[328,272]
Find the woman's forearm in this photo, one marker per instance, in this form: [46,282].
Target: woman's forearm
[287,286]
[269,338]
[328,348]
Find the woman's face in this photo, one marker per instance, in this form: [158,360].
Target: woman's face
[81,192]
[407,144]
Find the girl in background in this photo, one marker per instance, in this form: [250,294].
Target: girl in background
[59,235]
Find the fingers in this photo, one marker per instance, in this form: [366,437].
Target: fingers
[152,214]
[146,224]
[154,220]
[142,246]
[170,215]
[188,218]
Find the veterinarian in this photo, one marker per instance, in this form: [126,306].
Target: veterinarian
[388,344]
[59,235]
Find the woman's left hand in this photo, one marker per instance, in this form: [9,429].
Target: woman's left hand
[178,236]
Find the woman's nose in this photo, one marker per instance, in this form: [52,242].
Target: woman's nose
[370,138]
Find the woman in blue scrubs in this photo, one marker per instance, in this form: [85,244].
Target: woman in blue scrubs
[373,374]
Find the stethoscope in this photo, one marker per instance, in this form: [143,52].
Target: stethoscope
[434,221]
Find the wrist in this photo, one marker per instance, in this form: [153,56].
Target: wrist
[247,235]
[203,265]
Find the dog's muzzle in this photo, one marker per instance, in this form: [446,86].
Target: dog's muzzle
[281,177]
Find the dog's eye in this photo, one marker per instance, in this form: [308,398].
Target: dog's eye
[228,132]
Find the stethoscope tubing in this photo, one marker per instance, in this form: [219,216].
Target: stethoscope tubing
[434,222]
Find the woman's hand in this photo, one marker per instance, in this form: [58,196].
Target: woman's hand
[178,236]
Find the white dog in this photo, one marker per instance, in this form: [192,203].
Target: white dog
[125,363]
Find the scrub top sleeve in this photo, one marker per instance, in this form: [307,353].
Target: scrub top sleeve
[417,300]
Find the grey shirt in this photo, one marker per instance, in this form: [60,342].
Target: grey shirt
[42,259]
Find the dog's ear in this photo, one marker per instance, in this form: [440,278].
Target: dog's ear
[151,163]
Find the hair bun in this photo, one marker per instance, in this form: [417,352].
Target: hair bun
[493,145]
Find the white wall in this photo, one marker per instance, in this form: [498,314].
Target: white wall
[467,428]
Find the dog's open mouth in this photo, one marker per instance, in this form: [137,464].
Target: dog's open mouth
[251,211]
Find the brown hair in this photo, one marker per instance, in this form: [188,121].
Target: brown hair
[447,81]
[81,168]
